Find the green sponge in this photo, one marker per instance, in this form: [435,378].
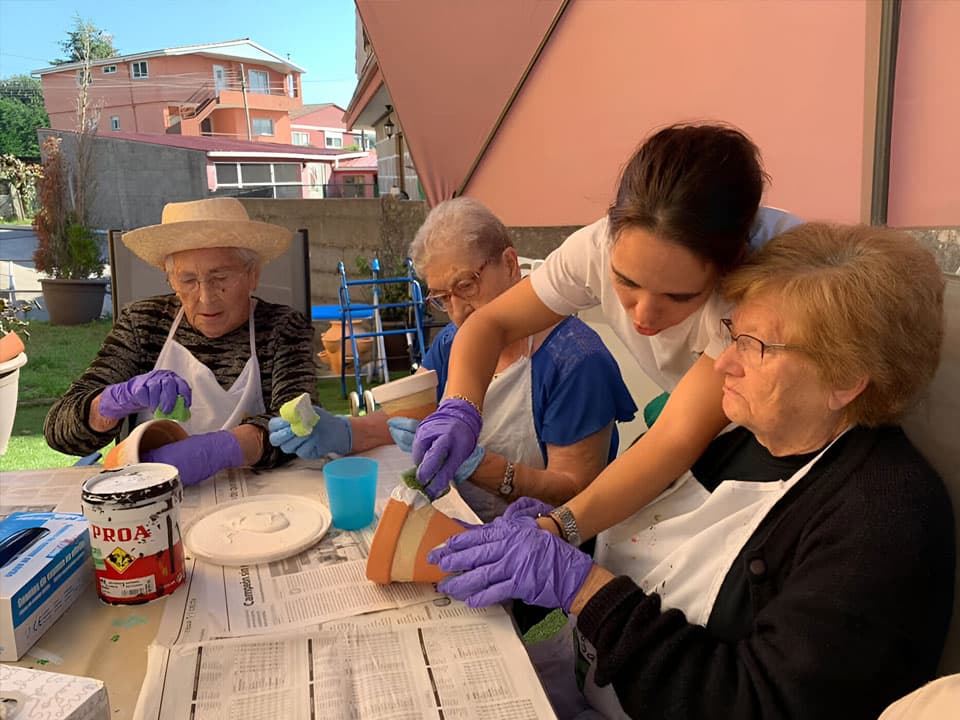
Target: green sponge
[409,478]
[180,411]
[300,414]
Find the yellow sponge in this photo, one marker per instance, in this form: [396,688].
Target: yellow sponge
[300,414]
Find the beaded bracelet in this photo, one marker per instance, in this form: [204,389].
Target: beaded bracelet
[466,400]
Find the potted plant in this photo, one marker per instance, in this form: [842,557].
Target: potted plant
[68,251]
[67,248]
[13,324]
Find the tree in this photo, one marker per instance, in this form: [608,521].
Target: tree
[86,40]
[22,88]
[18,128]
[21,113]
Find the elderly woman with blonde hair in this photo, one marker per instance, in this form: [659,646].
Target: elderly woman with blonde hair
[803,567]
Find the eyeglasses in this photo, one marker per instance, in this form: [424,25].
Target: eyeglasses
[752,349]
[217,282]
[463,289]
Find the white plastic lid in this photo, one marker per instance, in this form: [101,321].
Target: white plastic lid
[405,386]
[257,529]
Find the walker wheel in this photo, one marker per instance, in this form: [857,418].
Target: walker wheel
[354,404]
[369,403]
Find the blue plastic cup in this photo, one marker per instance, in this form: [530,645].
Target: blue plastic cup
[352,490]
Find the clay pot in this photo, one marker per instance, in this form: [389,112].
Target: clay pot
[407,531]
[146,436]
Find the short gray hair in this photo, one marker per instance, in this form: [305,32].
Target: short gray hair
[462,224]
[245,256]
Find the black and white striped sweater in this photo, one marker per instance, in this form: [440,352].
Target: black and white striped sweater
[284,340]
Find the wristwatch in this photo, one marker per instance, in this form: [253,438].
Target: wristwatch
[506,485]
[568,524]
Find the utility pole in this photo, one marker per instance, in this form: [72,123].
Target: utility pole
[243,91]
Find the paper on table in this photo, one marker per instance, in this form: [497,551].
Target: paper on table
[44,490]
[431,660]
[325,582]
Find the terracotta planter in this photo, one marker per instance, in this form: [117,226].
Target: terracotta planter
[10,346]
[73,302]
[9,382]
[409,528]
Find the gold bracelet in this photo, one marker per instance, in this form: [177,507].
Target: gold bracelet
[466,400]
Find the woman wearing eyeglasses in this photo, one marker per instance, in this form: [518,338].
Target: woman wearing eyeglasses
[804,566]
[211,348]
[686,212]
[552,403]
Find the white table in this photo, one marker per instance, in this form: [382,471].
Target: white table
[110,642]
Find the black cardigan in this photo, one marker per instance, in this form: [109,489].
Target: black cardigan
[851,588]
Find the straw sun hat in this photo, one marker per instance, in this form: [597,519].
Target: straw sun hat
[216,222]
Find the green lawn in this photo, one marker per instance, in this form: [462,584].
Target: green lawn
[56,355]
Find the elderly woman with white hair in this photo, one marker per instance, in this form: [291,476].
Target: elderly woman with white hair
[211,346]
[553,404]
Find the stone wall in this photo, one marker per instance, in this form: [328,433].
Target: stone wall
[345,230]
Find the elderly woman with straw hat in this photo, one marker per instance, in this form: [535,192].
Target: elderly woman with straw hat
[222,359]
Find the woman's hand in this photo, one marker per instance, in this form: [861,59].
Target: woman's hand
[330,434]
[152,390]
[199,456]
[511,560]
[443,441]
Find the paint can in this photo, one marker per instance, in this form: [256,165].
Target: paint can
[134,514]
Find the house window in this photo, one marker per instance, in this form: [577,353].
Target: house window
[259,82]
[109,69]
[84,76]
[333,140]
[263,126]
[267,180]
[138,69]
[114,122]
[301,138]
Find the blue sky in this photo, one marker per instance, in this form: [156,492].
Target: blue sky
[317,34]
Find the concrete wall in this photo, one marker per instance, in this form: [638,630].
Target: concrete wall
[348,229]
[135,180]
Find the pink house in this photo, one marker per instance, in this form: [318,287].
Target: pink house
[354,177]
[321,125]
[234,89]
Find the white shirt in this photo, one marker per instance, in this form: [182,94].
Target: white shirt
[576,276]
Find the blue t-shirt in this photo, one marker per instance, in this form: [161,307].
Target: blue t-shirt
[577,386]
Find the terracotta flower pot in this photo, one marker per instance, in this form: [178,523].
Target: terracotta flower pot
[409,528]
[10,346]
[9,382]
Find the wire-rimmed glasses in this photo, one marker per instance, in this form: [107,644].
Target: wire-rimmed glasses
[464,289]
[751,348]
[217,282]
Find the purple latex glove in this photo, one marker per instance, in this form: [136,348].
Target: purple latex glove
[511,559]
[526,507]
[443,441]
[157,388]
[199,456]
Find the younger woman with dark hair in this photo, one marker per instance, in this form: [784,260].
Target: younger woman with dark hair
[686,212]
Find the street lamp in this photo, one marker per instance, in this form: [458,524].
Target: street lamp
[388,126]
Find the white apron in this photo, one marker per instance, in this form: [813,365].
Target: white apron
[212,407]
[508,430]
[681,546]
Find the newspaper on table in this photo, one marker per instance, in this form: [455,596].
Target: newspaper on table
[438,659]
[325,582]
[43,490]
